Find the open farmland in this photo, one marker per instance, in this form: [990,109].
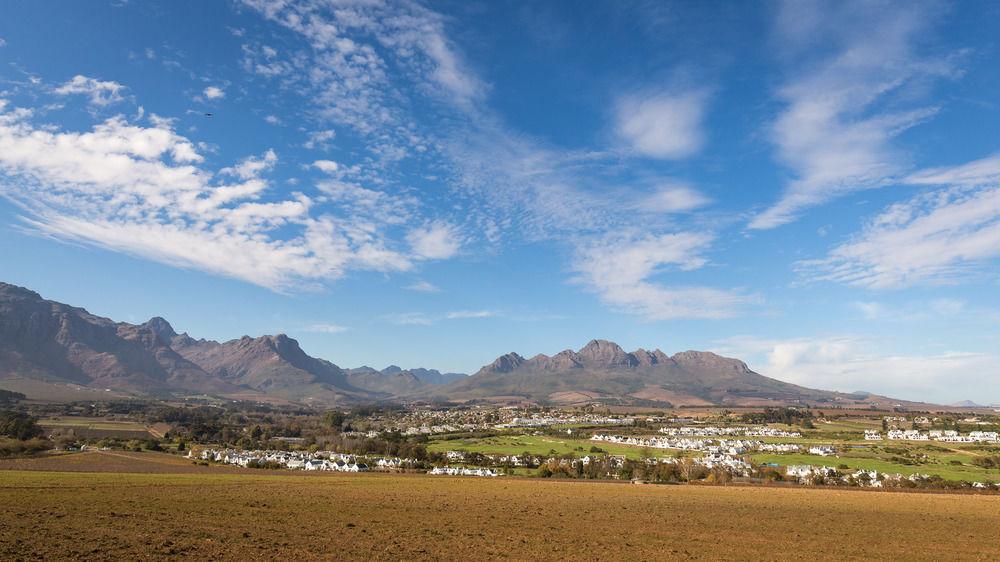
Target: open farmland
[261,514]
[96,428]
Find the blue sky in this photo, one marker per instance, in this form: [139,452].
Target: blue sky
[812,187]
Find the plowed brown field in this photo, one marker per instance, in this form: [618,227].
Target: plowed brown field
[230,514]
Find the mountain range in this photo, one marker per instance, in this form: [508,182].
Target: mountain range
[50,350]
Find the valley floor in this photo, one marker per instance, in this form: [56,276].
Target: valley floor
[52,509]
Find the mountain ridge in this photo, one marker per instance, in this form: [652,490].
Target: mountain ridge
[51,347]
[601,371]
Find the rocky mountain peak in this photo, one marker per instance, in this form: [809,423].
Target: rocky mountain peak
[505,363]
[161,328]
[605,353]
[565,359]
[647,358]
[10,292]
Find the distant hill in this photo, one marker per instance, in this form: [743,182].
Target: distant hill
[603,372]
[968,404]
[397,381]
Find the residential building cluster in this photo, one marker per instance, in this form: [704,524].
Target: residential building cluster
[297,460]
[559,419]
[753,431]
[446,428]
[808,474]
[726,446]
[943,435]
[462,471]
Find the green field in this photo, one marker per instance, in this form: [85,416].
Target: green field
[857,460]
[537,445]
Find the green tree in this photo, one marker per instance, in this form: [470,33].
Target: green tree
[19,426]
[334,419]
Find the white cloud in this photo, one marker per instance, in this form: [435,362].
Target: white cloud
[937,237]
[436,241]
[842,111]
[922,311]
[100,92]
[619,269]
[325,328]
[423,287]
[3,42]
[673,198]
[319,139]
[422,319]
[662,125]
[465,314]
[272,120]
[849,364]
[141,190]
[252,167]
[984,172]
[214,93]
[408,319]
[325,166]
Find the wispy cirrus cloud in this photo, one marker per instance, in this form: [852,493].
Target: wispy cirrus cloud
[842,110]
[941,236]
[326,328]
[423,319]
[354,44]
[422,286]
[460,314]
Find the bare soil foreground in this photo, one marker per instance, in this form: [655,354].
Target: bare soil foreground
[200,512]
